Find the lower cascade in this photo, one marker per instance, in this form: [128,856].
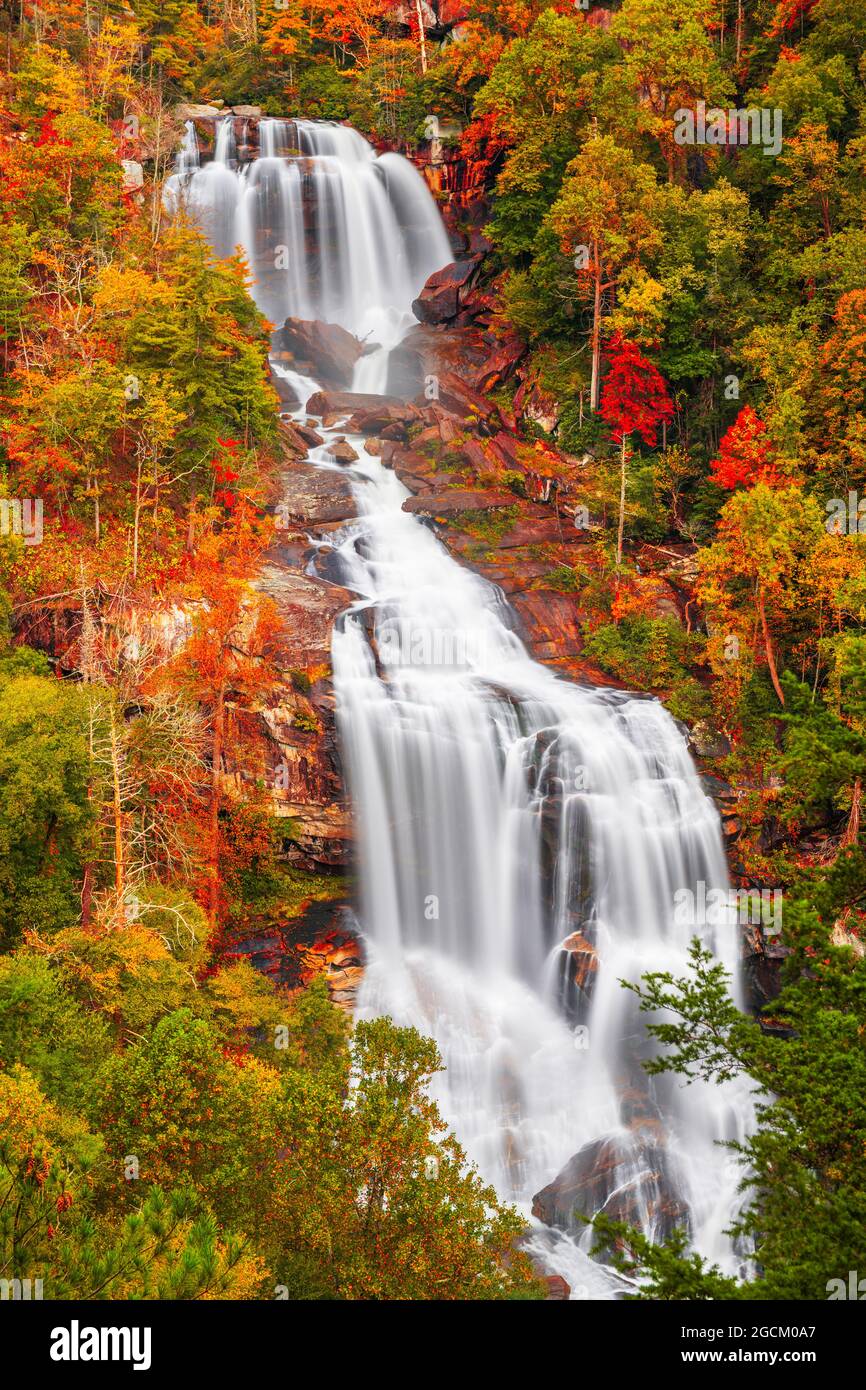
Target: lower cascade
[522,841]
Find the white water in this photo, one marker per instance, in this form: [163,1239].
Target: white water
[329,230]
[499,808]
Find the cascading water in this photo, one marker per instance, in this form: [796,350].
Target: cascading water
[509,823]
[329,230]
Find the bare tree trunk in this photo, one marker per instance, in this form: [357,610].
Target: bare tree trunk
[87,875]
[768,647]
[621,527]
[422,38]
[852,829]
[596,331]
[137,518]
[119,877]
[214,829]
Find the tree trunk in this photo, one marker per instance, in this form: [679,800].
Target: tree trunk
[596,331]
[422,38]
[768,647]
[214,829]
[136,520]
[119,877]
[852,829]
[621,527]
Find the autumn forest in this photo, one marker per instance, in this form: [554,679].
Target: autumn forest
[432,571]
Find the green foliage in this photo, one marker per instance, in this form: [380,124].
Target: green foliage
[652,653]
[488,525]
[46,818]
[202,332]
[43,1028]
[804,1169]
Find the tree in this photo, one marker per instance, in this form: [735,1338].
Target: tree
[400,1214]
[669,63]
[46,818]
[634,399]
[746,455]
[804,1168]
[759,562]
[534,107]
[233,648]
[809,172]
[605,214]
[52,1228]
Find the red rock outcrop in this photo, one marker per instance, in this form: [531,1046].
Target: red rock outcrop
[323,350]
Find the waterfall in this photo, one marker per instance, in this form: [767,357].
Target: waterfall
[330,231]
[521,840]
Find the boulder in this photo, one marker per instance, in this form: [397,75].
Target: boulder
[459,398]
[585,961]
[338,403]
[440,299]
[250,113]
[313,496]
[342,451]
[309,435]
[627,1177]
[457,500]
[190,111]
[558,1291]
[330,350]
[707,742]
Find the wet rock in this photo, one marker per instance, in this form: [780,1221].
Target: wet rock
[309,435]
[388,420]
[558,1291]
[585,961]
[501,363]
[342,451]
[440,299]
[707,742]
[626,1177]
[552,623]
[310,496]
[293,440]
[340,403]
[453,502]
[330,350]
[456,396]
[320,943]
[763,958]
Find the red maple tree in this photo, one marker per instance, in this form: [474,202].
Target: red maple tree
[634,399]
[745,454]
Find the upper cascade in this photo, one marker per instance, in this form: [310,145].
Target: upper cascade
[330,229]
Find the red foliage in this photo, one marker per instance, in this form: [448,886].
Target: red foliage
[788,13]
[47,133]
[634,396]
[224,475]
[745,455]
